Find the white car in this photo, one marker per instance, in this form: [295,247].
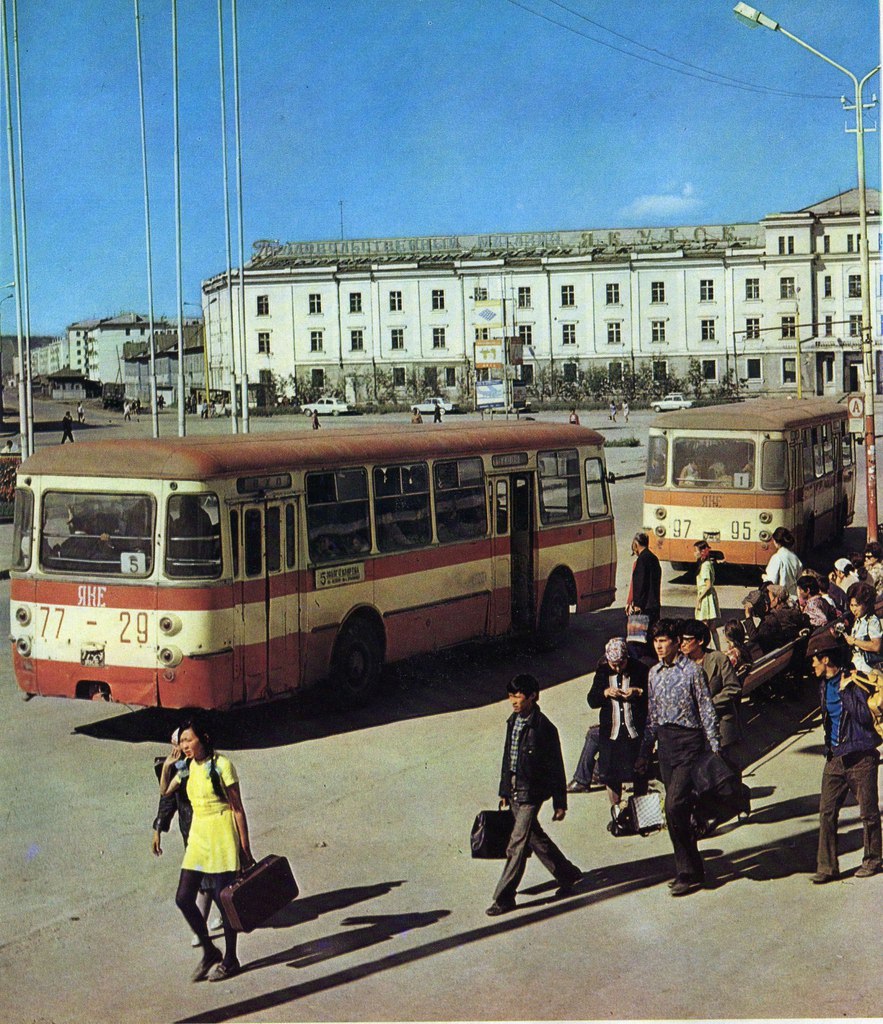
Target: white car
[668,403]
[327,407]
[428,405]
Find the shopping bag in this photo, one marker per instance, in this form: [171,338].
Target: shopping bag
[637,628]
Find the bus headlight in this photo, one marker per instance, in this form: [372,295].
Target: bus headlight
[661,512]
[170,656]
[169,624]
[23,646]
[23,615]
[765,517]
[660,531]
[765,536]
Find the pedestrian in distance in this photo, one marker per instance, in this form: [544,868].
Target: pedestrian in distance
[81,413]
[127,411]
[682,720]
[619,690]
[611,411]
[532,772]
[218,844]
[437,413]
[315,419]
[178,803]
[646,580]
[625,411]
[416,417]
[67,423]
[574,418]
[707,607]
[851,759]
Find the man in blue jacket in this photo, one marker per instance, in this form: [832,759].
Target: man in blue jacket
[532,772]
[850,759]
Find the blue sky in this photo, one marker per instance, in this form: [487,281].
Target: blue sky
[423,117]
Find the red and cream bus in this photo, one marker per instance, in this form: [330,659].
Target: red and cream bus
[219,571]
[732,474]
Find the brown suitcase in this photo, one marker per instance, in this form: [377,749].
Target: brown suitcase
[258,893]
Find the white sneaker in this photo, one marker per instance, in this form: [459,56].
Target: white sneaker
[194,941]
[215,922]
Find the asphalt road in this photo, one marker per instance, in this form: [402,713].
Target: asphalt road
[373,808]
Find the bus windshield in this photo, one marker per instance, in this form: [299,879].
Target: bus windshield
[713,463]
[657,460]
[104,534]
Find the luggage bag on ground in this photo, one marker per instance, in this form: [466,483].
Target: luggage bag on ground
[641,816]
[258,893]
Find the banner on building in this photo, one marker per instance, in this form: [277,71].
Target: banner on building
[489,354]
[489,313]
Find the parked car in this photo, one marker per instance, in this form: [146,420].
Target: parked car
[668,403]
[427,406]
[327,407]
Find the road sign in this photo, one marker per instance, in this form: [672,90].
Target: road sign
[855,406]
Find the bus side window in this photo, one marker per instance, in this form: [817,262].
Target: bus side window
[23,529]
[596,492]
[560,492]
[847,449]
[808,473]
[460,501]
[273,534]
[253,547]
[234,539]
[501,503]
[289,536]
[193,541]
[774,466]
[338,524]
[401,502]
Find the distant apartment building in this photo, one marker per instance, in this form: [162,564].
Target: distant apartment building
[734,298]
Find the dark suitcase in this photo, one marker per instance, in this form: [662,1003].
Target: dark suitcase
[490,834]
[258,893]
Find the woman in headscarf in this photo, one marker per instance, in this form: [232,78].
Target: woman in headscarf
[620,691]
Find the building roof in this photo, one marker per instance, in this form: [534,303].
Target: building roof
[754,414]
[196,458]
[846,204]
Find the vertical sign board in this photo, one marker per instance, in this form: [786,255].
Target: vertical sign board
[490,394]
[855,406]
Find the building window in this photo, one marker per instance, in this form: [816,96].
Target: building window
[479,294]
[826,243]
[752,287]
[752,327]
[706,328]
[524,298]
[357,341]
[438,298]
[612,294]
[438,337]
[657,291]
[709,369]
[852,243]
[450,376]
[855,325]
[786,244]
[657,330]
[398,376]
[316,343]
[660,370]
[568,334]
[789,326]
[525,333]
[706,290]
[263,302]
[829,325]
[854,286]
[614,332]
[482,333]
[315,302]
[430,378]
[789,370]
[397,338]
[569,373]
[753,369]
[567,295]
[317,378]
[263,341]
[827,286]
[355,302]
[527,374]
[395,302]
[786,288]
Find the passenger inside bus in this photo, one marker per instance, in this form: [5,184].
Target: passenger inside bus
[193,539]
[86,546]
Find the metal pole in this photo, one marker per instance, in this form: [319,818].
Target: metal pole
[243,347]
[182,419]
[26,295]
[151,341]
[23,370]
[234,398]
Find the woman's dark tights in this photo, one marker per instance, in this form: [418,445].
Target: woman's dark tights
[185,899]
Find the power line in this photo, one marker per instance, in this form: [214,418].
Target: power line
[704,75]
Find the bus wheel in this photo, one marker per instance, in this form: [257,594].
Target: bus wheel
[554,614]
[355,667]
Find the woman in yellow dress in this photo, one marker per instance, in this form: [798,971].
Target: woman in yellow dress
[707,607]
[218,844]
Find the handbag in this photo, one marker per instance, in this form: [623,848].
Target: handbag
[641,816]
[720,793]
[637,628]
[490,834]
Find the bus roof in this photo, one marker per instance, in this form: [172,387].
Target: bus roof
[219,455]
[754,414]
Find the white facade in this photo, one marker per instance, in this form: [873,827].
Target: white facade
[734,298]
[95,347]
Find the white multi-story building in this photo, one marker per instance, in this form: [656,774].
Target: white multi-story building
[95,347]
[731,299]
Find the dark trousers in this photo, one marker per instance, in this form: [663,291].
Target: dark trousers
[856,774]
[678,749]
[527,833]
[585,769]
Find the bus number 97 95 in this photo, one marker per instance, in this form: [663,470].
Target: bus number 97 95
[680,527]
[740,531]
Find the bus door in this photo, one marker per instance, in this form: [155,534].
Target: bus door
[521,569]
[270,606]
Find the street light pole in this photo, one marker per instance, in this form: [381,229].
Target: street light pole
[753,17]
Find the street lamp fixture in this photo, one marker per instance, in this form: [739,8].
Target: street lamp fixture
[752,17]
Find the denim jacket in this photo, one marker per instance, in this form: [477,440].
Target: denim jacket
[857,732]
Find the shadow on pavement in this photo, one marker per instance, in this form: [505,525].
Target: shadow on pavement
[309,908]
